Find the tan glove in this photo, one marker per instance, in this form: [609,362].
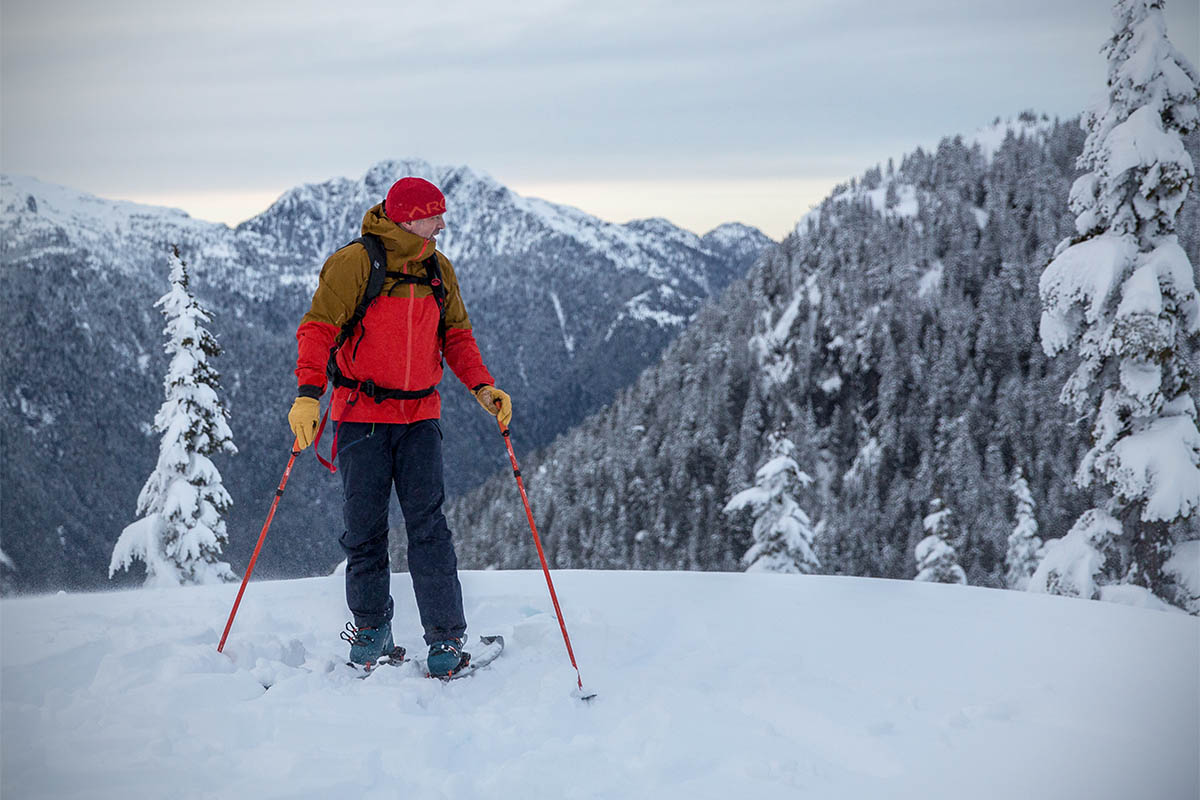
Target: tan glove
[487,397]
[304,416]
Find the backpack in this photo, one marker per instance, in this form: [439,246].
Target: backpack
[375,278]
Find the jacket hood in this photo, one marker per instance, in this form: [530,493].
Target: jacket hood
[398,242]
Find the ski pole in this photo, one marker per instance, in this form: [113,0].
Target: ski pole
[542,556]
[257,548]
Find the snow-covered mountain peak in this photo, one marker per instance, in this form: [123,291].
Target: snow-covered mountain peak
[735,235]
[33,201]
[1027,124]
[112,235]
[485,218]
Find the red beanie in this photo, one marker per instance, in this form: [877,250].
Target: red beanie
[413,198]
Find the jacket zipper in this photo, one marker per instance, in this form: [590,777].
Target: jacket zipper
[412,298]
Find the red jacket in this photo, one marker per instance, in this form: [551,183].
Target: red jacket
[397,345]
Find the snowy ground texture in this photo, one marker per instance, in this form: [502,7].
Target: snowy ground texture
[710,686]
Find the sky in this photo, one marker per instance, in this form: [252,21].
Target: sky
[699,112]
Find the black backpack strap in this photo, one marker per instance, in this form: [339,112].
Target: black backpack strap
[377,258]
[433,271]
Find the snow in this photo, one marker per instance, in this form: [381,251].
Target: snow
[642,308]
[568,341]
[1184,564]
[651,306]
[1009,694]
[832,384]
[1085,273]
[1161,462]
[937,561]
[1024,544]
[931,281]
[1129,594]
[1140,294]
[782,329]
[731,234]
[906,206]
[1070,565]
[1141,143]
[1174,270]
[990,138]
[34,412]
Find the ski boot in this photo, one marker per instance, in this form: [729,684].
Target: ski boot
[446,658]
[368,645]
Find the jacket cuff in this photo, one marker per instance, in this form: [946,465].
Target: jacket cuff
[477,387]
[308,390]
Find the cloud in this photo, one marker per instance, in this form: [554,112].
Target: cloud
[147,98]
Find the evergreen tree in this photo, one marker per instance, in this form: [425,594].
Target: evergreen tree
[181,531]
[937,561]
[1024,545]
[783,534]
[1123,295]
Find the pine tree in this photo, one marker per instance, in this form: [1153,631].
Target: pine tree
[783,534]
[1123,294]
[181,531]
[937,561]
[1024,545]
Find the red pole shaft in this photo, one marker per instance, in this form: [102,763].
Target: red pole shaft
[541,554]
[258,548]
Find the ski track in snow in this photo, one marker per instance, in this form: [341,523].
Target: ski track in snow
[710,686]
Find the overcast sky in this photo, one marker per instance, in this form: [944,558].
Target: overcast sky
[700,112]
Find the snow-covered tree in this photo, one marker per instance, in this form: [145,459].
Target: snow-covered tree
[1074,566]
[783,533]
[937,561]
[1122,293]
[181,531]
[1024,544]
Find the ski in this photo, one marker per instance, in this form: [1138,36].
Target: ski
[395,658]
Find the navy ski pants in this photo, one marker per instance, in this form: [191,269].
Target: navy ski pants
[372,457]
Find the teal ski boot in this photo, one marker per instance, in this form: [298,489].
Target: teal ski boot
[368,645]
[446,658]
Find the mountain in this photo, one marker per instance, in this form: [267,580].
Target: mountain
[709,686]
[892,337]
[567,309]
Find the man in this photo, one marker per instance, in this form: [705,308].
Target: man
[385,366]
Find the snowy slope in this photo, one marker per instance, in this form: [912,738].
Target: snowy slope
[711,686]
